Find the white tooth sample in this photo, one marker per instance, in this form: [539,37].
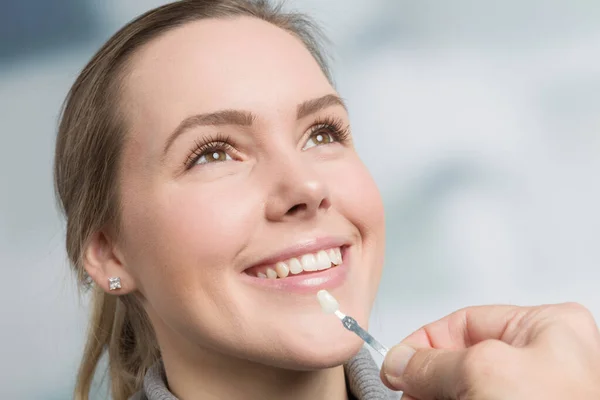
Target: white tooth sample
[261,275]
[309,262]
[328,303]
[323,261]
[338,256]
[282,269]
[295,266]
[271,274]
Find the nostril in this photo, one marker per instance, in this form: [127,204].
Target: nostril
[325,203]
[297,208]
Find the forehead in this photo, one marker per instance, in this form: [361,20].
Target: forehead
[208,65]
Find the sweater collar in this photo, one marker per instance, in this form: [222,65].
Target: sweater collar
[362,379]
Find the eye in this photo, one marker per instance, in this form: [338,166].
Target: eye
[318,138]
[209,151]
[212,156]
[326,132]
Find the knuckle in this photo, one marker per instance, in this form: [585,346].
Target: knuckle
[575,313]
[576,309]
[570,313]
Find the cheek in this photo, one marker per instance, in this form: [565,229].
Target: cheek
[187,235]
[358,199]
[209,220]
[356,195]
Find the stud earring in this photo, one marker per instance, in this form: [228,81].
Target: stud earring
[114,283]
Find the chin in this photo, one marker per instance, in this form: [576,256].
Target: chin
[323,343]
[328,355]
[307,354]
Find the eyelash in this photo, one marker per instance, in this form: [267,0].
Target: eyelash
[207,145]
[334,127]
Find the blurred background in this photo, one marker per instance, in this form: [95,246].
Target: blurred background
[480,121]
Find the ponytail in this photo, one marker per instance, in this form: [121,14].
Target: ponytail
[120,326]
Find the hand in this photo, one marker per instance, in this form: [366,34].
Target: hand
[548,352]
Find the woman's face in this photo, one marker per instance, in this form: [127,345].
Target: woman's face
[238,157]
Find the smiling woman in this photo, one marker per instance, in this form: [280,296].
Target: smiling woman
[205,166]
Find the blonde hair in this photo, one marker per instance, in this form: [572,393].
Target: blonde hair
[87,160]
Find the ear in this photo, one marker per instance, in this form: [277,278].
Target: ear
[102,261]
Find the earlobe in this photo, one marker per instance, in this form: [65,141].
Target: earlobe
[105,266]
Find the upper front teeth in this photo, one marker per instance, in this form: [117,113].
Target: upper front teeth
[309,262]
[321,260]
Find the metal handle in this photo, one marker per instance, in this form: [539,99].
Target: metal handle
[351,324]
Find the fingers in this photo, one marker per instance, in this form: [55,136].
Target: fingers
[479,352]
[469,326]
[432,359]
[448,374]
[423,373]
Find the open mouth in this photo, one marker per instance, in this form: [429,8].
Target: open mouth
[302,265]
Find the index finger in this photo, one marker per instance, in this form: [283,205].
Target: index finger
[467,327]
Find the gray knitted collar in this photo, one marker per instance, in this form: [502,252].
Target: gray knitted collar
[362,376]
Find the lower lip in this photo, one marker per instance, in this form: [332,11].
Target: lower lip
[306,283]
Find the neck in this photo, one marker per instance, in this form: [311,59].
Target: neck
[257,384]
[204,374]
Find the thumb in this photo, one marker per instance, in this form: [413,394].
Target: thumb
[423,373]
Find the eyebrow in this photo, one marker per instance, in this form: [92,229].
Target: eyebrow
[246,118]
[312,106]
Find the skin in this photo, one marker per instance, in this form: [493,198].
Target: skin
[500,352]
[188,233]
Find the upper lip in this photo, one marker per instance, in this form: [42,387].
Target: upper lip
[301,248]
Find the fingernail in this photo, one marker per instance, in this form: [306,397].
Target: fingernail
[397,359]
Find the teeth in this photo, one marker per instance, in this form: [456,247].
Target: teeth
[335,255]
[282,269]
[332,256]
[295,266]
[271,274]
[309,262]
[322,260]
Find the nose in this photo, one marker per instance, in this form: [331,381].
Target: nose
[298,192]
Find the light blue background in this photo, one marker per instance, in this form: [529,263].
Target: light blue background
[480,121]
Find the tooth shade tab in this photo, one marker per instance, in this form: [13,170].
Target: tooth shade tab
[328,303]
